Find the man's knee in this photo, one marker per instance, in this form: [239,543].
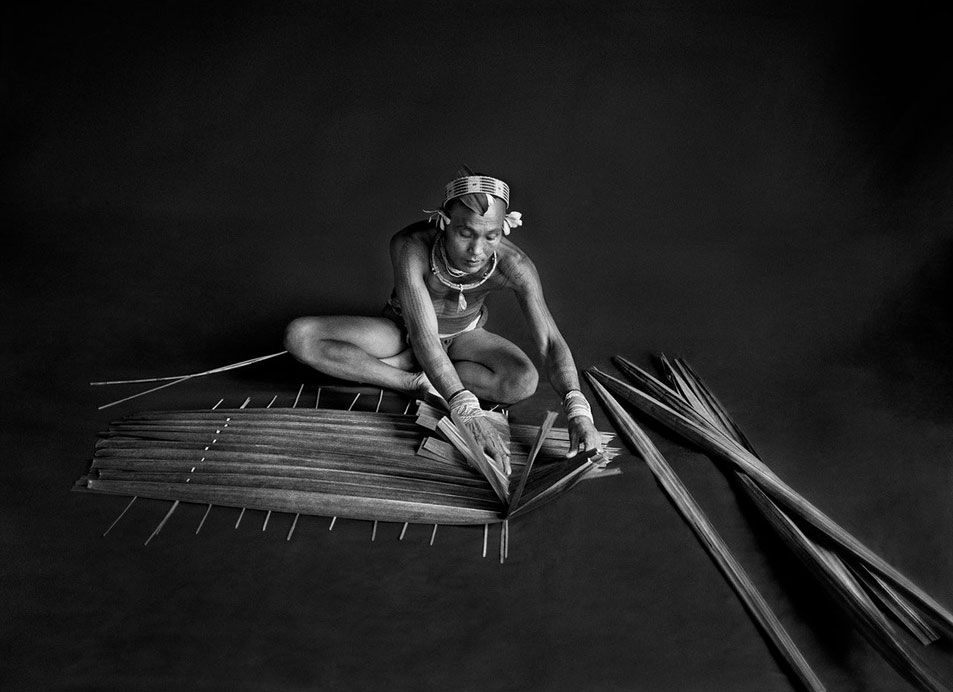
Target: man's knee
[518,383]
[301,335]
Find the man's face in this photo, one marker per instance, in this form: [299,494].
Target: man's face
[471,239]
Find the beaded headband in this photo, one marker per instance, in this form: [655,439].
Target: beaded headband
[477,184]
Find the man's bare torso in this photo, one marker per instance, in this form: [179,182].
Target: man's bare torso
[412,246]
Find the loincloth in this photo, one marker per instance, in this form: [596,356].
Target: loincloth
[445,339]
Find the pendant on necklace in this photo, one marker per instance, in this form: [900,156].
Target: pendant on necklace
[461,302]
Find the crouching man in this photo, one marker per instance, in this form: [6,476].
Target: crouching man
[432,334]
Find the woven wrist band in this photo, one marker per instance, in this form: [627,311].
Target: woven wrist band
[466,405]
[576,404]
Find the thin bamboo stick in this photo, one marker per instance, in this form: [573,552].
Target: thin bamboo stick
[264,524]
[204,517]
[727,449]
[294,523]
[402,532]
[158,528]
[769,624]
[374,531]
[298,396]
[121,515]
[433,534]
[148,391]
[240,515]
[213,371]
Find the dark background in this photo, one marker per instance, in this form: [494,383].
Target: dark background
[764,192]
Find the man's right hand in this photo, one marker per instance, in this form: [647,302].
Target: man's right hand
[489,438]
[465,408]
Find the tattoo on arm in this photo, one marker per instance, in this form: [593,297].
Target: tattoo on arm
[552,348]
[410,267]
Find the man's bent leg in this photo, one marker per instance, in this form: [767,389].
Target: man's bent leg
[492,367]
[353,348]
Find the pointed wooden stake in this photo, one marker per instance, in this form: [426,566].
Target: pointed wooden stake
[502,542]
[402,532]
[434,534]
[162,523]
[264,524]
[204,516]
[121,515]
[240,515]
[292,529]
[331,527]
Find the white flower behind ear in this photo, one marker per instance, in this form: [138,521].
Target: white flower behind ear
[440,216]
[512,220]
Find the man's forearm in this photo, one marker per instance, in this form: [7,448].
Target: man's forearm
[440,371]
[561,370]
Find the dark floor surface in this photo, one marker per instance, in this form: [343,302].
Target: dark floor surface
[765,194]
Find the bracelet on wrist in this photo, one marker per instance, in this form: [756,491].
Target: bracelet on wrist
[576,404]
[466,405]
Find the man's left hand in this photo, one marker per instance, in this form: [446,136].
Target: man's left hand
[582,433]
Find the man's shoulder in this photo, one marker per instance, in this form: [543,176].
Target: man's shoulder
[412,241]
[517,265]
[417,233]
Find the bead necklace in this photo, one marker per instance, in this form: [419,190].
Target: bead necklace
[438,247]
